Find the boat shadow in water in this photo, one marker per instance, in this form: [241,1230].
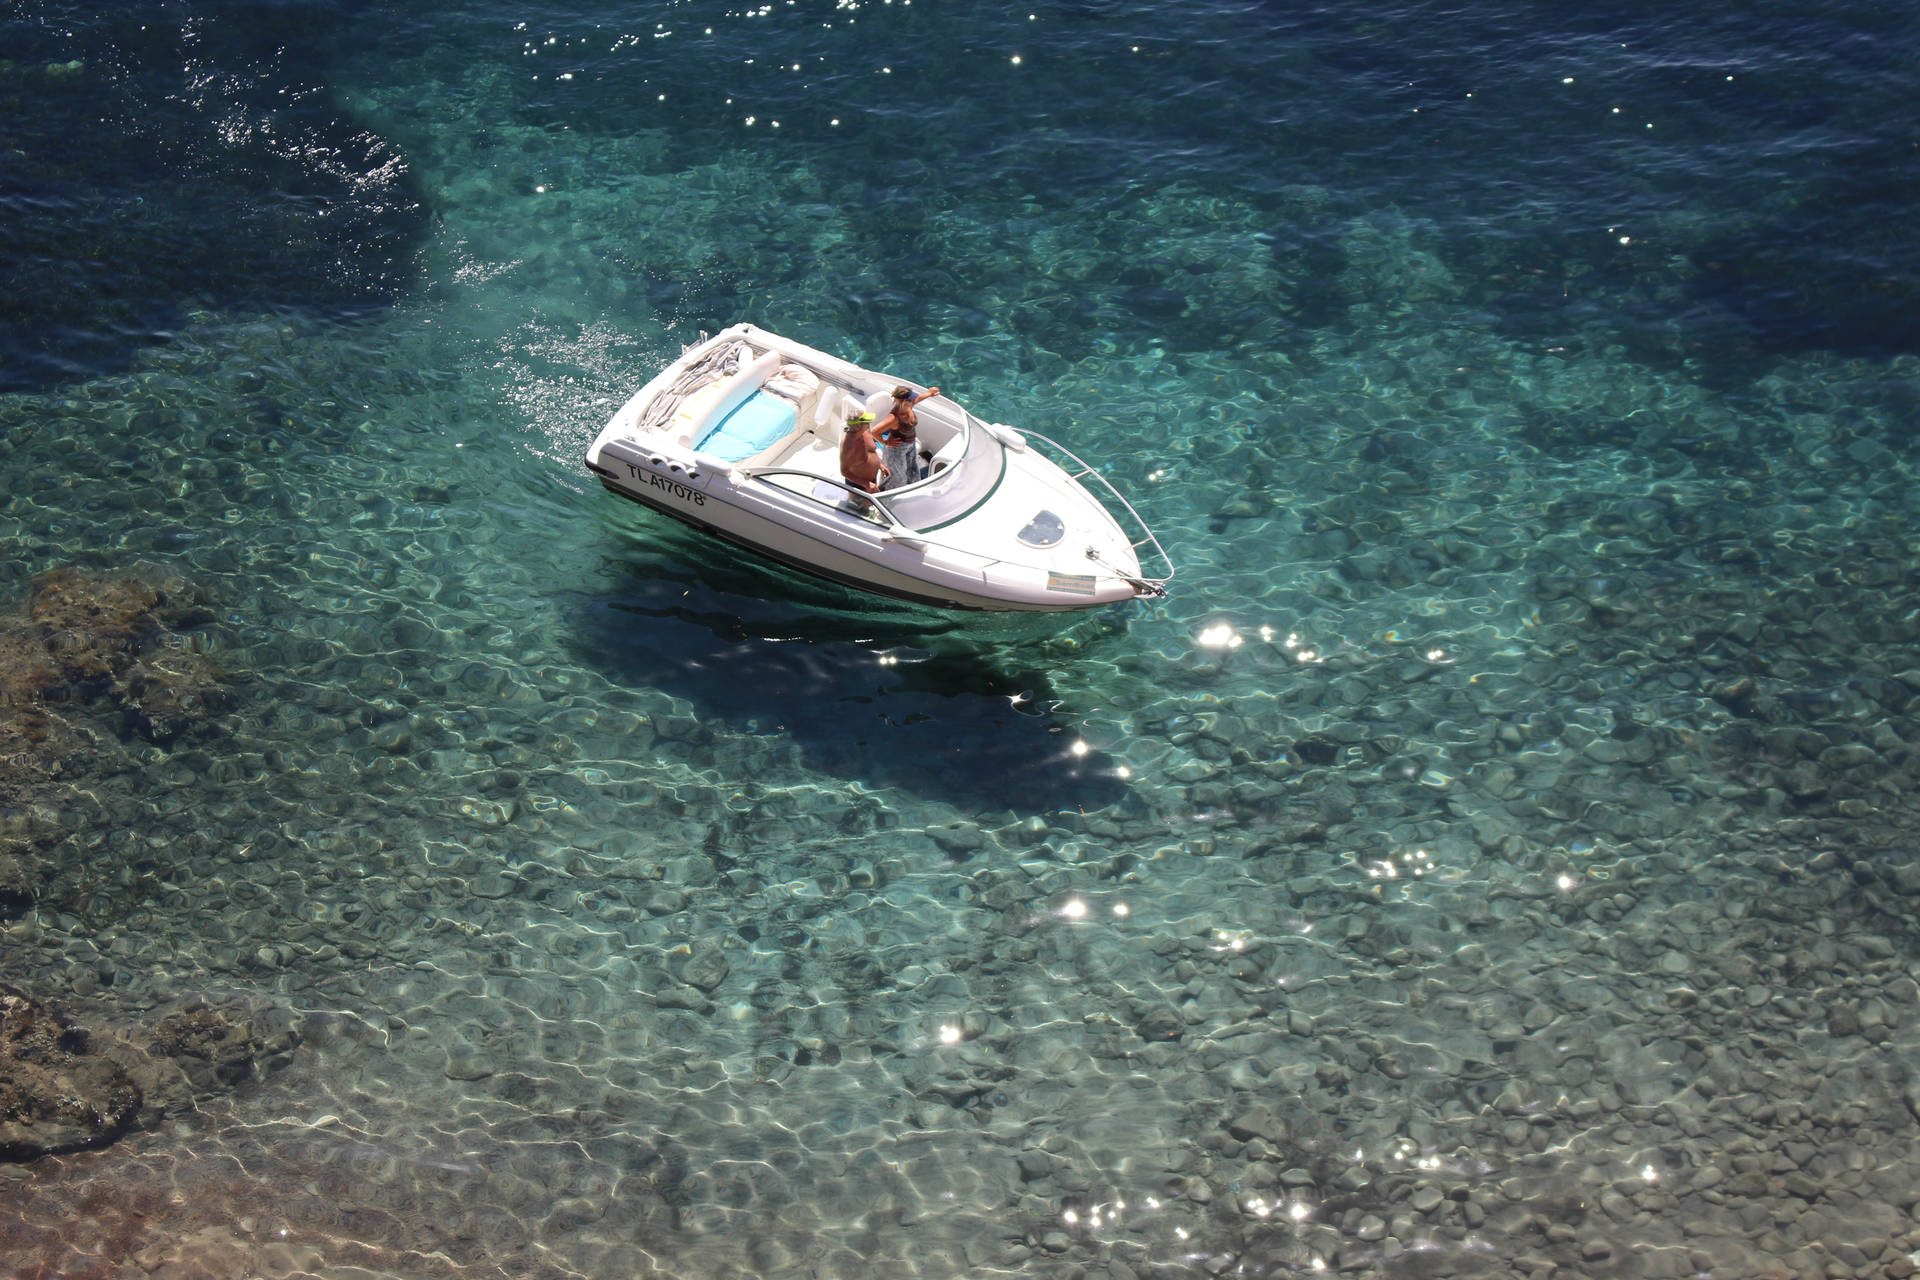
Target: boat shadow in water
[899,697]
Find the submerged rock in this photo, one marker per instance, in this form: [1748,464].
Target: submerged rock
[20,877]
[65,1088]
[57,1091]
[87,643]
[88,656]
[212,1048]
[116,642]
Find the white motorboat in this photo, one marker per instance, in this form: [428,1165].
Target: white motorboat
[740,438]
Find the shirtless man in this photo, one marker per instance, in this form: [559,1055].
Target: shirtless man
[860,464]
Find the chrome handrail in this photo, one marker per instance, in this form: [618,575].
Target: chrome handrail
[1087,469]
[895,523]
[1149,586]
[757,473]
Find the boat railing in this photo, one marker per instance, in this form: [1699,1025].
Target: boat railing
[897,530]
[815,478]
[1147,538]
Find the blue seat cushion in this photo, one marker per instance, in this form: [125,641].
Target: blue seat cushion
[759,420]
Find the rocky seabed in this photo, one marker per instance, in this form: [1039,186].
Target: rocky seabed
[1510,870]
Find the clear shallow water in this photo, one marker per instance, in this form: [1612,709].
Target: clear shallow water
[1458,875]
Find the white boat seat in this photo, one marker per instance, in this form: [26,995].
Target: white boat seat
[949,452]
[810,450]
[793,381]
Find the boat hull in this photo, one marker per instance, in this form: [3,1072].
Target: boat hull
[740,439]
[777,542]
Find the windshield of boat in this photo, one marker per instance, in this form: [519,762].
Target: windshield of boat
[966,467]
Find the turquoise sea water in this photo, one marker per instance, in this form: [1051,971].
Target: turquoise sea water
[1497,857]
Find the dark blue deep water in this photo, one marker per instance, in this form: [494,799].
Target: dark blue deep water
[1498,856]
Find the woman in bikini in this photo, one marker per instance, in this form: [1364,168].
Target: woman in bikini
[899,436]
